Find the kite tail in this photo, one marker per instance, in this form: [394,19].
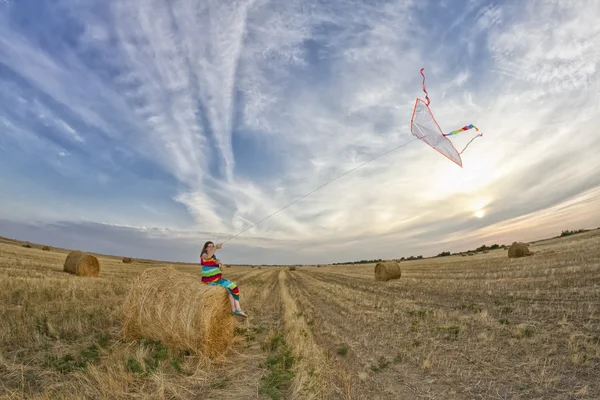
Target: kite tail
[424,88]
[478,135]
[464,128]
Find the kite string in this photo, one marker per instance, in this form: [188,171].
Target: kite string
[424,88]
[320,187]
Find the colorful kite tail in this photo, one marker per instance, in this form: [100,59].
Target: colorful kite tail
[464,128]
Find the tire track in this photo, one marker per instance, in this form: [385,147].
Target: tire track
[481,348]
[485,295]
[314,376]
[376,341]
[333,327]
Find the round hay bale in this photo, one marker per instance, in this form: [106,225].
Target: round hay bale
[518,249]
[384,271]
[180,311]
[46,248]
[470,253]
[127,260]
[292,268]
[82,264]
[486,251]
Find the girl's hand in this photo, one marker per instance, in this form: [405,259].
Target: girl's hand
[219,246]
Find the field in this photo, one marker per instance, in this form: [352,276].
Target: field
[479,327]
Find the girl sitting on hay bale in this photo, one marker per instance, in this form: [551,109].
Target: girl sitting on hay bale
[212,275]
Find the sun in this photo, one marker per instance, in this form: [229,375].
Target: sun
[479,213]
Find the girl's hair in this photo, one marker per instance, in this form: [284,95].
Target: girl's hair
[204,247]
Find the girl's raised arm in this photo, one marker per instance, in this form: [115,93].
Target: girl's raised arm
[211,251]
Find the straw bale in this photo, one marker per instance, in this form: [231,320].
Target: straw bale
[384,271]
[82,264]
[519,249]
[127,260]
[179,310]
[292,268]
[46,248]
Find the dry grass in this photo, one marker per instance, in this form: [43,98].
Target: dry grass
[479,327]
[60,337]
[311,370]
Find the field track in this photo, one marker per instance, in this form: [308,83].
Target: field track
[480,327]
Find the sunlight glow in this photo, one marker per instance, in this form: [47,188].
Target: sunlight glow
[479,213]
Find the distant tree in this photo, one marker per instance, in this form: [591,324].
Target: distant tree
[359,262]
[568,232]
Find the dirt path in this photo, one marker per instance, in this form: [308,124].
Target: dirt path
[242,376]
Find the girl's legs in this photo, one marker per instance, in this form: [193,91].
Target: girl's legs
[242,312]
[233,302]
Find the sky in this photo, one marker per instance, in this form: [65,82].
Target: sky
[145,128]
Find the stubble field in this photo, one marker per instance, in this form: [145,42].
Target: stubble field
[480,327]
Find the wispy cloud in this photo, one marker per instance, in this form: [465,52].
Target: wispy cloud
[224,112]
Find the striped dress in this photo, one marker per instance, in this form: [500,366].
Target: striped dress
[211,274]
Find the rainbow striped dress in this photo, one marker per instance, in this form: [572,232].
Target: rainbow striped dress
[211,274]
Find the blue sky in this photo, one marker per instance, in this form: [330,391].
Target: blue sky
[144,128]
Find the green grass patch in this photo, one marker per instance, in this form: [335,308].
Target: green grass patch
[158,356]
[342,349]
[449,332]
[418,313]
[68,362]
[279,365]
[382,363]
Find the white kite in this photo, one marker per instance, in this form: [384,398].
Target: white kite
[424,126]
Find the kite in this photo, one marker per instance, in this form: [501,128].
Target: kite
[424,126]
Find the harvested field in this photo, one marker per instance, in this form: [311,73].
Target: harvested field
[480,327]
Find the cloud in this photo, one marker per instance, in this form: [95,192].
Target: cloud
[180,245]
[227,112]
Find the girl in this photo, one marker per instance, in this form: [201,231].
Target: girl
[212,275]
